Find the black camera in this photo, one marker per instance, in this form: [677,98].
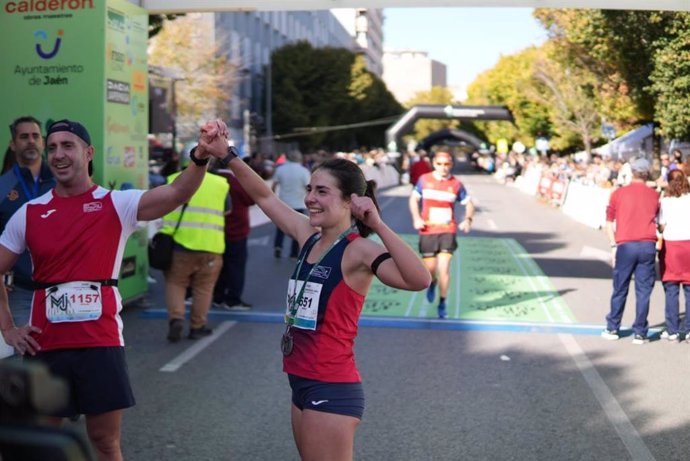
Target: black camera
[27,392]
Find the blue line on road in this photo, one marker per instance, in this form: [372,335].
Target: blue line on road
[418,324]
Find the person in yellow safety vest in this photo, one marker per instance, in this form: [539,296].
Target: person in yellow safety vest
[197,256]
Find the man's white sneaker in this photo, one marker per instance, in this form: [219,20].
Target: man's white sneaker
[670,337]
[611,335]
[640,339]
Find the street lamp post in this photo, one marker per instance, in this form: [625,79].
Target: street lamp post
[269,95]
[246,133]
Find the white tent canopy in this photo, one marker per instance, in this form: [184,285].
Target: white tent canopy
[636,143]
[172,6]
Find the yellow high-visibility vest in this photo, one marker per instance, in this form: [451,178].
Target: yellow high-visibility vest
[202,227]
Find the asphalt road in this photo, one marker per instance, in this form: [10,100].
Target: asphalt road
[433,393]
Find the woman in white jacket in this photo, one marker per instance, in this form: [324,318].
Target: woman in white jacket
[674,223]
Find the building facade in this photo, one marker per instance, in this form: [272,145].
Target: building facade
[407,72]
[249,38]
[366,26]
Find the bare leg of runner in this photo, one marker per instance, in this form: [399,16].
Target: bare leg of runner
[321,435]
[104,433]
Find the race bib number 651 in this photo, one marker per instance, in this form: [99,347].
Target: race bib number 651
[308,306]
[74,302]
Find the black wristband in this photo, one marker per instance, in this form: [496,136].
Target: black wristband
[379,259]
[232,153]
[196,160]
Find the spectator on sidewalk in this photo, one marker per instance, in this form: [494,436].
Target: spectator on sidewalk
[9,160]
[676,159]
[197,254]
[230,284]
[674,259]
[631,227]
[29,177]
[420,167]
[290,179]
[665,169]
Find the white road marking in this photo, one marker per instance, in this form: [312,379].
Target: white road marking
[626,431]
[259,241]
[591,252]
[425,306]
[197,347]
[387,202]
[458,287]
[411,303]
[257,217]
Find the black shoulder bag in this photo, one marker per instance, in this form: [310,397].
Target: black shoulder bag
[161,247]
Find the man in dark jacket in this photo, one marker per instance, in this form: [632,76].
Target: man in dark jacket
[29,178]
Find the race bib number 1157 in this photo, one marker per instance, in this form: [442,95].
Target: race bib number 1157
[74,302]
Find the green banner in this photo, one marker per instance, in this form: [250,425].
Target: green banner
[125,151]
[85,60]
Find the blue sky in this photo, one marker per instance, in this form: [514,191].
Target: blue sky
[467,40]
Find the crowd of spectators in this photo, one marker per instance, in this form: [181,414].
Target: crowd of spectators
[167,160]
[597,171]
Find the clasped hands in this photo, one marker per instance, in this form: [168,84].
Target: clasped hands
[213,140]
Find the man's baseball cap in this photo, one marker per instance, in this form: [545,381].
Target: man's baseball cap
[75,128]
[641,165]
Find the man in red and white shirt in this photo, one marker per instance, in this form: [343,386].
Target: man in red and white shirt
[76,235]
[438,192]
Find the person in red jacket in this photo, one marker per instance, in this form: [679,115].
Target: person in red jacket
[420,167]
[230,284]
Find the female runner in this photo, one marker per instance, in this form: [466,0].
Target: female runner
[326,293]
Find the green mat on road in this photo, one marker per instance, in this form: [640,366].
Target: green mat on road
[492,279]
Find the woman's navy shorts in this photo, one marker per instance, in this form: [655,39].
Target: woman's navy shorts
[339,398]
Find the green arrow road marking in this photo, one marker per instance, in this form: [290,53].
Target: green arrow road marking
[491,279]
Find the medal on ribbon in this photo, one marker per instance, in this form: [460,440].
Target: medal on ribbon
[286,341]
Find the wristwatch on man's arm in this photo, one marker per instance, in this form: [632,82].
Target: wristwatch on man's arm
[232,153]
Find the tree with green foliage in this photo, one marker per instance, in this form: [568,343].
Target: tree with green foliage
[671,79]
[569,93]
[629,52]
[583,39]
[318,88]
[373,102]
[204,92]
[511,83]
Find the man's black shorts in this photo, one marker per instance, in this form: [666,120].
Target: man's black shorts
[432,244]
[96,377]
